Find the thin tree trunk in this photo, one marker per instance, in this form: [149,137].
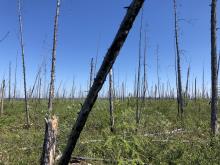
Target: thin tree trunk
[180,100]
[218,63]
[107,64]
[39,89]
[45,80]
[158,78]
[73,89]
[51,91]
[9,82]
[111,107]
[195,91]
[15,83]
[51,123]
[23,64]
[91,73]
[35,82]
[2,96]
[203,84]
[145,68]
[187,84]
[214,123]
[139,74]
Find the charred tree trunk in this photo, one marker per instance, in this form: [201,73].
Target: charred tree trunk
[73,89]
[139,74]
[145,67]
[39,90]
[203,84]
[51,123]
[91,73]
[158,78]
[111,107]
[179,96]
[2,96]
[195,91]
[15,83]
[214,100]
[218,63]
[52,76]
[9,82]
[187,85]
[50,138]
[23,64]
[107,64]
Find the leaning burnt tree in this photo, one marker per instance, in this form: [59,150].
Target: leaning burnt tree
[179,83]
[107,64]
[214,99]
[51,122]
[23,64]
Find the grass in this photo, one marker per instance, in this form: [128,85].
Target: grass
[161,138]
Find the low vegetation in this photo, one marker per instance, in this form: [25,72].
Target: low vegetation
[160,138]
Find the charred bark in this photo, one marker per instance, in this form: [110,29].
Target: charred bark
[107,64]
[214,99]
[23,64]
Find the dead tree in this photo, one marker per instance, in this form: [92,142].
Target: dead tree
[52,76]
[35,82]
[187,84]
[9,82]
[195,91]
[23,64]
[91,73]
[158,78]
[179,83]
[145,68]
[73,90]
[15,81]
[111,107]
[139,74]
[2,96]
[51,122]
[107,64]
[39,89]
[203,84]
[45,79]
[214,100]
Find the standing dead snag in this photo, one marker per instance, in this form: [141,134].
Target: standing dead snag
[51,123]
[50,138]
[23,63]
[139,74]
[2,96]
[203,84]
[111,107]
[15,83]
[145,70]
[107,64]
[158,78]
[187,85]
[91,73]
[51,91]
[214,100]
[179,83]
[195,91]
[9,82]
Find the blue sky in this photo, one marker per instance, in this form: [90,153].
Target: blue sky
[85,25]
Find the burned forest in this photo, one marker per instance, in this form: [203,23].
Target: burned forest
[109,82]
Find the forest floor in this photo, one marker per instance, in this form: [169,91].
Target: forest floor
[160,138]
